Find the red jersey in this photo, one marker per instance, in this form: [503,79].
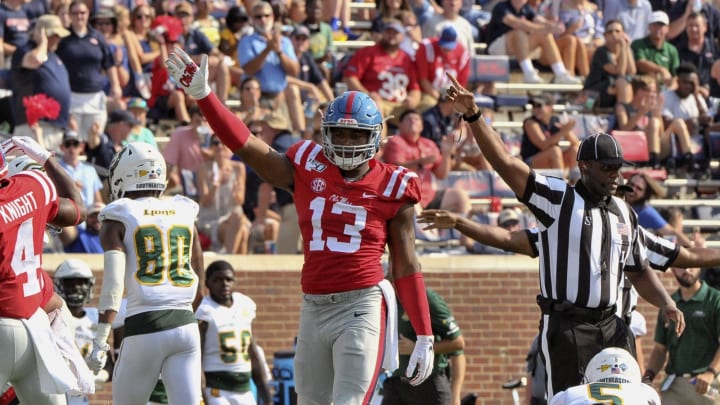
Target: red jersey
[391,76]
[28,201]
[344,224]
[432,63]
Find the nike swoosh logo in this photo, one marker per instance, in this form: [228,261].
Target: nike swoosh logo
[366,195]
[360,313]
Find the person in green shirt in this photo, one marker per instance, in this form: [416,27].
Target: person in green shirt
[438,388]
[654,56]
[693,358]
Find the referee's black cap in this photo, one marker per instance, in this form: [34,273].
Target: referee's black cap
[601,147]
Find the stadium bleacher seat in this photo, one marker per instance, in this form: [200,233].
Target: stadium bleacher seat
[634,145]
[495,69]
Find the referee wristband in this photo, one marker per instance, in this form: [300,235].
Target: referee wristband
[649,375]
[712,370]
[472,118]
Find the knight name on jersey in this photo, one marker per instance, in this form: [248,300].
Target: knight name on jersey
[158,212]
[18,207]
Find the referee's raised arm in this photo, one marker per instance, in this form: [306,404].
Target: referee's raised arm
[514,171]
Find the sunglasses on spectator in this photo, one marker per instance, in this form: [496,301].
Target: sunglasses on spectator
[260,16]
[538,105]
[141,16]
[71,144]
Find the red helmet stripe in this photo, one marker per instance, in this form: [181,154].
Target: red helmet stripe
[349,104]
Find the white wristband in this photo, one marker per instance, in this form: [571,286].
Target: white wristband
[103,332]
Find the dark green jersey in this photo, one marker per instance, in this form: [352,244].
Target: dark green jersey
[444,327]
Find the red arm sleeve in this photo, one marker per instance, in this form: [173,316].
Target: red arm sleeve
[413,297]
[227,126]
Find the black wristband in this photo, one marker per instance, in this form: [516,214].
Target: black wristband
[472,118]
[712,370]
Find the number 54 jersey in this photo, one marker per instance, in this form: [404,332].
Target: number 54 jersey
[344,223]
[158,241]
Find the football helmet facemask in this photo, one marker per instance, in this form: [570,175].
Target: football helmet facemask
[137,167]
[352,110]
[74,281]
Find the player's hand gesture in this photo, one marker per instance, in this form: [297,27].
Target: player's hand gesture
[98,356]
[437,219]
[193,79]
[31,148]
[463,100]
[670,312]
[421,360]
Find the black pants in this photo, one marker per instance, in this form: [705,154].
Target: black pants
[568,343]
[433,391]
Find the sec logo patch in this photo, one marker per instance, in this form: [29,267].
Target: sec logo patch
[318,185]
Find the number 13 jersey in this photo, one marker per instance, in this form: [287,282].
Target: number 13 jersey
[158,241]
[344,223]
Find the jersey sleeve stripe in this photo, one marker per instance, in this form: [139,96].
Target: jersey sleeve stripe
[391,184]
[403,183]
[47,185]
[311,157]
[301,152]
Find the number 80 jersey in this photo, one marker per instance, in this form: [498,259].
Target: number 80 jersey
[344,223]
[158,241]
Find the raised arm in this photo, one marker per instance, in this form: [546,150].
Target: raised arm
[271,165]
[514,171]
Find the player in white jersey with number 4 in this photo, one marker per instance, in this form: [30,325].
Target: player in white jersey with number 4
[229,358]
[612,377]
[151,247]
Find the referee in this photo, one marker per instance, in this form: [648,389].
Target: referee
[588,239]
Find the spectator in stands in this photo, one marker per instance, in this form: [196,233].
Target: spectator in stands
[686,102]
[206,22]
[166,99]
[268,55]
[84,174]
[644,113]
[386,73]
[641,189]
[186,152]
[437,56]
[221,190]
[321,39]
[450,15]
[101,148]
[583,34]
[146,46]
[140,132]
[14,28]
[431,163]
[84,239]
[612,68]
[89,61]
[441,120]
[697,49]
[654,56]
[251,108]
[634,15]
[387,9]
[516,30]
[236,26]
[542,133]
[106,22]
[36,68]
[196,43]
[274,129]
[309,88]
[679,11]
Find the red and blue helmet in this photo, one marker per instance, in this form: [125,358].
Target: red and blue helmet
[354,110]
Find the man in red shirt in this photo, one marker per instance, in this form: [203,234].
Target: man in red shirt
[28,202]
[386,73]
[435,57]
[349,207]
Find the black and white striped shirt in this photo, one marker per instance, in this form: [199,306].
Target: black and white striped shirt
[584,246]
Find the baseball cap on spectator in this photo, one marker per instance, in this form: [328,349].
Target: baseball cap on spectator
[95,208]
[235,14]
[52,25]
[275,120]
[541,99]
[300,31]
[507,216]
[394,24]
[448,38]
[184,8]
[104,14]
[137,102]
[601,147]
[70,135]
[659,17]
[122,116]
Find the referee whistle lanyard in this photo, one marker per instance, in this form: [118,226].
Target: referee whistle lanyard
[606,247]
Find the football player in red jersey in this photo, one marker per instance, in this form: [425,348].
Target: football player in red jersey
[28,202]
[349,206]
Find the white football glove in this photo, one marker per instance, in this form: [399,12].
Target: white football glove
[32,149]
[98,357]
[421,358]
[192,78]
